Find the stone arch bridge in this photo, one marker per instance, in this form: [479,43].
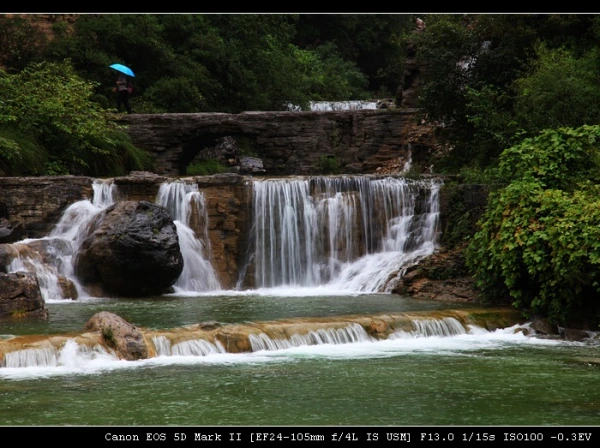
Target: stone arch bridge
[288,143]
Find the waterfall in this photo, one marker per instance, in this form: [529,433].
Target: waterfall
[328,106]
[351,233]
[78,215]
[50,258]
[352,334]
[70,355]
[346,233]
[408,162]
[194,347]
[188,209]
[446,327]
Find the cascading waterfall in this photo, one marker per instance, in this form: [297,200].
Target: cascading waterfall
[351,233]
[186,204]
[78,215]
[351,334]
[354,333]
[63,241]
[322,106]
[70,355]
[446,327]
[408,163]
[344,232]
[196,347]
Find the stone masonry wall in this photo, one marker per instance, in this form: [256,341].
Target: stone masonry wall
[361,141]
[37,203]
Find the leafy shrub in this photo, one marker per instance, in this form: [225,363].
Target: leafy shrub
[20,155]
[328,164]
[539,238]
[67,131]
[205,167]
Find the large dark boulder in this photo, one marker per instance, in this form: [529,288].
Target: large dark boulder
[20,296]
[132,249]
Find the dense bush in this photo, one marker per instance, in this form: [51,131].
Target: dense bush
[539,241]
[50,125]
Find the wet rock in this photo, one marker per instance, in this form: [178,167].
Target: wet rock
[67,288]
[574,334]
[132,249]
[119,335]
[442,276]
[20,296]
[542,325]
[9,232]
[251,165]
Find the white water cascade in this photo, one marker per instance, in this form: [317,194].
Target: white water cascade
[345,233]
[51,257]
[328,106]
[186,205]
[351,233]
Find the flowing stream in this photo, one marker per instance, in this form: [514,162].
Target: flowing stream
[324,246]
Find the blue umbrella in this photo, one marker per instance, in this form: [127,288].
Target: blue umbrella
[123,69]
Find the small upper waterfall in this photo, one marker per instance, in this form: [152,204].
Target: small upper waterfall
[50,258]
[328,106]
[187,208]
[347,232]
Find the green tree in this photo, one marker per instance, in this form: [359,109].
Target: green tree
[370,42]
[51,105]
[481,68]
[560,89]
[20,43]
[327,77]
[213,62]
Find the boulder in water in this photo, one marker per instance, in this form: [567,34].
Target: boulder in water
[119,335]
[132,249]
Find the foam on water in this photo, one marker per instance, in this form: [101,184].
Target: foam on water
[327,344]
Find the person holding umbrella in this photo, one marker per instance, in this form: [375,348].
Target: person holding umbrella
[122,87]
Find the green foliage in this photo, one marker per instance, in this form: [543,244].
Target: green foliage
[477,175]
[119,156]
[559,90]
[205,167]
[328,164]
[539,239]
[20,155]
[18,314]
[20,43]
[213,62]
[493,79]
[66,131]
[460,220]
[373,42]
[489,114]
[327,77]
[413,172]
[109,337]
[558,159]
[175,94]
